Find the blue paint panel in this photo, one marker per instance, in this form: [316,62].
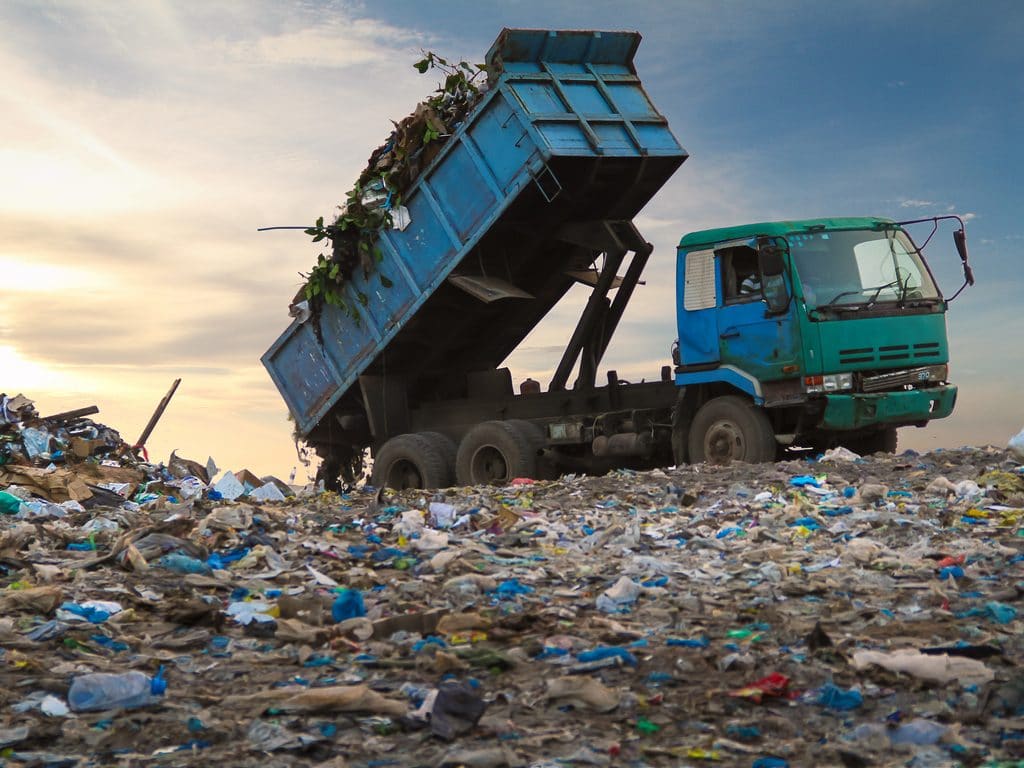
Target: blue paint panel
[614,138]
[564,47]
[561,69]
[630,99]
[383,305]
[425,244]
[539,98]
[586,99]
[498,125]
[462,191]
[605,70]
[567,138]
[351,341]
[657,139]
[301,373]
[727,375]
[523,67]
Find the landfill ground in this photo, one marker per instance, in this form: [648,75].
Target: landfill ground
[812,612]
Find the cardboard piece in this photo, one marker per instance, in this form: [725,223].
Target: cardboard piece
[54,485]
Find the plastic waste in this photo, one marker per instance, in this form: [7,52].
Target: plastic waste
[246,612]
[53,707]
[228,487]
[267,492]
[442,515]
[36,441]
[93,611]
[180,563]
[457,708]
[9,503]
[42,508]
[619,596]
[774,685]
[1016,446]
[940,668]
[582,692]
[103,690]
[348,605]
[918,731]
[608,652]
[834,697]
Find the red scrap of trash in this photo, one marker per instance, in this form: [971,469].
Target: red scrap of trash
[950,560]
[776,685]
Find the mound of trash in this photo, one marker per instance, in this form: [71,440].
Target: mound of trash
[839,611]
[52,465]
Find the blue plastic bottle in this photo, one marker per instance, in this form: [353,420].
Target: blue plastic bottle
[103,690]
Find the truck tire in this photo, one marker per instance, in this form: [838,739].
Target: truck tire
[498,452]
[421,460]
[882,441]
[728,429]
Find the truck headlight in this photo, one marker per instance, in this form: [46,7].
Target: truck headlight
[833,382]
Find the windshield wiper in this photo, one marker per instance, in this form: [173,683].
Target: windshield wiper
[869,302]
[839,296]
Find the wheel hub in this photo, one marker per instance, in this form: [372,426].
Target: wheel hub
[723,442]
[489,465]
[402,475]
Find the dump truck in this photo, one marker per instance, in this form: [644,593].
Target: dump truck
[790,334]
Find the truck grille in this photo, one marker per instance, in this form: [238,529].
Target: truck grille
[896,379]
[888,355]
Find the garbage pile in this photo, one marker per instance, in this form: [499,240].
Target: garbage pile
[53,465]
[837,611]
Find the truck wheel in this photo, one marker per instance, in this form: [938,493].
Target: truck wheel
[882,441]
[421,460]
[498,451]
[731,429]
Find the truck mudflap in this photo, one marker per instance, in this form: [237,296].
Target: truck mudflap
[855,411]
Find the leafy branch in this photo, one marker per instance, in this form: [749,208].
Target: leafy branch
[455,95]
[367,209]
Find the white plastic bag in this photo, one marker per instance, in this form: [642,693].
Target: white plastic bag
[1016,445]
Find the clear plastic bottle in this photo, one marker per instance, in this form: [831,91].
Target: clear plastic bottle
[103,690]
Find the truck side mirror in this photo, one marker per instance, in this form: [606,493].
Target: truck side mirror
[770,256]
[771,259]
[960,240]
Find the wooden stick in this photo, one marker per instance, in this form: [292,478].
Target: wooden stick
[156,415]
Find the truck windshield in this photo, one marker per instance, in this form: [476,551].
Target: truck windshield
[859,268]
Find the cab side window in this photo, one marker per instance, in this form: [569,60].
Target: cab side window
[741,278]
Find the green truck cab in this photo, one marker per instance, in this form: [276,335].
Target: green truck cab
[812,333]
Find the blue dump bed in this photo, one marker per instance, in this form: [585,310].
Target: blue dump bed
[564,136]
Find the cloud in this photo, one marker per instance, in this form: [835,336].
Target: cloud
[917,204]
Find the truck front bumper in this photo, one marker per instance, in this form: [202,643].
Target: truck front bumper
[856,411]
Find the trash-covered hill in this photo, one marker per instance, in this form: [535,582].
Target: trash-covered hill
[845,611]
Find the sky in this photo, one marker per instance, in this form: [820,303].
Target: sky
[142,143]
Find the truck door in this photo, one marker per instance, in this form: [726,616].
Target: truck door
[751,338]
[697,285]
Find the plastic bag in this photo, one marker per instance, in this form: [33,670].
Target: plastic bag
[1016,445]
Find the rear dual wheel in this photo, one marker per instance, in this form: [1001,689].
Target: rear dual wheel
[497,452]
[418,460]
